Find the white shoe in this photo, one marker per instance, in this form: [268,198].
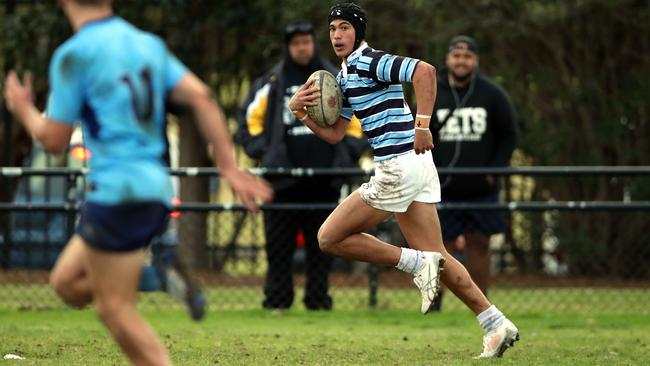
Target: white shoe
[499,340]
[427,279]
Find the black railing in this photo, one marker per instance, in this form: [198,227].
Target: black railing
[71,205]
[567,222]
[300,172]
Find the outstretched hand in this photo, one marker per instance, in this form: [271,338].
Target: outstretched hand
[304,96]
[18,94]
[249,188]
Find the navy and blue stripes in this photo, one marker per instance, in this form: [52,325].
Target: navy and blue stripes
[372,90]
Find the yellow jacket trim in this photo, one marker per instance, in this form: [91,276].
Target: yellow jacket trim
[256,111]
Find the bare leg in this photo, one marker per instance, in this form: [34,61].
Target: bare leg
[450,247]
[477,259]
[342,233]
[114,277]
[421,228]
[69,277]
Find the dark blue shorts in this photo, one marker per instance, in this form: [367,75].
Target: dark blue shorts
[123,227]
[456,222]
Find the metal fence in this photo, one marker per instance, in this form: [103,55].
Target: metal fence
[557,255]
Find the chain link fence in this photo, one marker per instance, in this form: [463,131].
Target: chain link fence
[556,256]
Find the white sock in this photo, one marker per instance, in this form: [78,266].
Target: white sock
[410,261]
[490,318]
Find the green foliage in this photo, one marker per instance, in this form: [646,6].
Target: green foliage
[28,39]
[577,71]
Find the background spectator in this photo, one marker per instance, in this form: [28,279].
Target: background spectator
[477,128]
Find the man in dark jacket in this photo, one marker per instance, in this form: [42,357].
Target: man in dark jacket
[270,133]
[477,129]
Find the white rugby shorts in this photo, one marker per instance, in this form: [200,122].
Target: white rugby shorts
[400,180]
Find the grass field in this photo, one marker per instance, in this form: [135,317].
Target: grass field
[579,326]
[362,337]
[552,300]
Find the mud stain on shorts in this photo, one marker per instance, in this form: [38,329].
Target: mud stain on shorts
[393,174]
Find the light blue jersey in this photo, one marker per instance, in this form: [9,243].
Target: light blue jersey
[114,78]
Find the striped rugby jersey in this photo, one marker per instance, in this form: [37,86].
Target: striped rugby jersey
[372,91]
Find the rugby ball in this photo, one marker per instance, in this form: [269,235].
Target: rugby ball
[330,101]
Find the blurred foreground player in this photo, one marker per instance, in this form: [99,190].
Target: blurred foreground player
[114,78]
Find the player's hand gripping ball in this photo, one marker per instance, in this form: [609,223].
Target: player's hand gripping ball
[328,109]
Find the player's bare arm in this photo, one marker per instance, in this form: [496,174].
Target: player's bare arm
[424,83]
[54,136]
[191,91]
[306,96]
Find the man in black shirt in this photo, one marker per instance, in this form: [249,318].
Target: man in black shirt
[269,132]
[477,129]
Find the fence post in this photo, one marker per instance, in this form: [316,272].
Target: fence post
[10,7]
[8,242]
[71,200]
[372,283]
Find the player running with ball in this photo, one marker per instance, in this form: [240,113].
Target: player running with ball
[405,182]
